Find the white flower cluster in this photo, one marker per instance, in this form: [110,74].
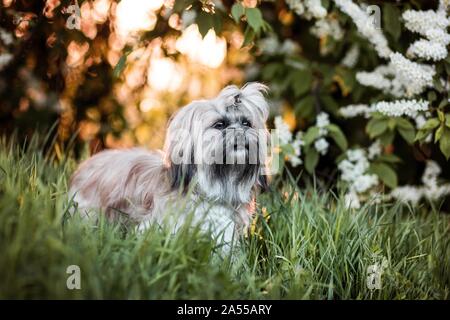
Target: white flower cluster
[355,110]
[414,77]
[351,57]
[321,144]
[271,46]
[327,27]
[374,150]
[401,77]
[6,37]
[430,190]
[285,137]
[354,172]
[308,8]
[429,50]
[402,107]
[297,144]
[5,58]
[362,20]
[433,26]
[284,134]
[411,108]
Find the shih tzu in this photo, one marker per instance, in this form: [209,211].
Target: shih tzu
[213,164]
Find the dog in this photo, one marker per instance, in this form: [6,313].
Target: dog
[214,163]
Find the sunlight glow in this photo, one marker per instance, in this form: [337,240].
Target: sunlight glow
[133,16]
[209,51]
[165,75]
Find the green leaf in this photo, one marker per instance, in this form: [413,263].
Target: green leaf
[391,20]
[249,36]
[301,81]
[120,65]
[387,138]
[329,104]
[180,5]
[338,136]
[311,134]
[407,134]
[421,134]
[444,143]
[305,107]
[438,134]
[406,130]
[375,127]
[237,11]
[430,124]
[205,21]
[311,160]
[447,120]
[271,70]
[441,116]
[254,18]
[385,173]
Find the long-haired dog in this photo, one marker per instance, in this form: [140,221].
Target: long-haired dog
[213,163]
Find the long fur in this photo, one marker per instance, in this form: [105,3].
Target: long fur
[142,184]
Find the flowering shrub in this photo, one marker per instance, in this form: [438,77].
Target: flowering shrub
[371,97]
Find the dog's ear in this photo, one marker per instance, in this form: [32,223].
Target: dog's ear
[179,149]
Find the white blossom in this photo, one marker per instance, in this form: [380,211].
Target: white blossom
[327,27]
[374,150]
[374,79]
[308,8]
[5,58]
[428,50]
[407,194]
[355,110]
[415,77]
[351,57]
[6,37]
[421,21]
[315,8]
[284,134]
[321,145]
[269,45]
[401,107]
[289,47]
[296,145]
[361,19]
[351,200]
[430,190]
[296,6]
[322,120]
[354,171]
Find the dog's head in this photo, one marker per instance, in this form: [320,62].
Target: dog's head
[224,141]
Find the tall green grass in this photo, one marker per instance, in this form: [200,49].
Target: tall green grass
[311,246]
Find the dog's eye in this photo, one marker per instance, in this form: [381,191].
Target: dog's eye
[219,125]
[246,123]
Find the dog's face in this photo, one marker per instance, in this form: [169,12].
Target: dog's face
[223,141]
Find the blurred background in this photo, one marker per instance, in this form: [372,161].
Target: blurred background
[117,79]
